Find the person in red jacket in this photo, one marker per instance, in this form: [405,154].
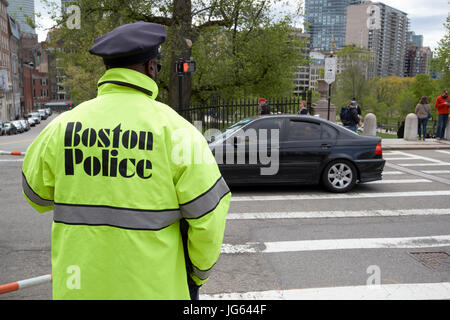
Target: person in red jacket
[442,104]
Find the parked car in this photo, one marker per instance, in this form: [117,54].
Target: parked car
[10,129]
[43,114]
[310,150]
[31,121]
[2,128]
[19,126]
[48,111]
[25,124]
[36,116]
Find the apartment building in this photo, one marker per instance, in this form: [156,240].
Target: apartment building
[326,21]
[387,39]
[417,60]
[23,12]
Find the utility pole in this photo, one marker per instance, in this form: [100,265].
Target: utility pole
[330,74]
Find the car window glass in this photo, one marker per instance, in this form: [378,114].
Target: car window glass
[329,132]
[266,124]
[302,130]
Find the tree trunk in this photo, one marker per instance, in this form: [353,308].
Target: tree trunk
[180,30]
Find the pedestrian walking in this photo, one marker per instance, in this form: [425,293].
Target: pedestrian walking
[303,108]
[423,109]
[119,173]
[358,108]
[442,105]
[264,107]
[349,116]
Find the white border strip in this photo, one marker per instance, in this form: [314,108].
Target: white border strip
[338,244]
[400,181]
[415,156]
[341,196]
[412,291]
[336,214]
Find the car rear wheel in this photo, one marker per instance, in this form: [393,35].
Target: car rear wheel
[339,176]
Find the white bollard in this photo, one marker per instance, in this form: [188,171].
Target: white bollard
[411,127]
[370,125]
[447,130]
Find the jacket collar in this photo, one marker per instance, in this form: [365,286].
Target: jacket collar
[122,80]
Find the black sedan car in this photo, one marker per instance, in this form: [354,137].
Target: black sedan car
[296,149]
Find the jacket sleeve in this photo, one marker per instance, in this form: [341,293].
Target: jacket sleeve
[38,179]
[204,199]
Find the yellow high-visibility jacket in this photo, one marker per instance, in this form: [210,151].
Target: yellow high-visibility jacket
[119,172]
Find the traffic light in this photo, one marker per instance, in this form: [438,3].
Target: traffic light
[185,66]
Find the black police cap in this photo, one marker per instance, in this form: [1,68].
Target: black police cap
[130,44]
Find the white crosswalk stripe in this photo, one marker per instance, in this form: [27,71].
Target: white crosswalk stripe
[351,195]
[338,244]
[337,214]
[414,291]
[439,290]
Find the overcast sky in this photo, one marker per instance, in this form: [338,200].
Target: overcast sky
[427,17]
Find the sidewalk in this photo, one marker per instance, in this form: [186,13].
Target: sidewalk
[401,144]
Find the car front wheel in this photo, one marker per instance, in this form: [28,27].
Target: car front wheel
[339,176]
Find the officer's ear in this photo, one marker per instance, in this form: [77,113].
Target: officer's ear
[150,69]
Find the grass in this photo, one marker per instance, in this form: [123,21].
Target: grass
[386,135]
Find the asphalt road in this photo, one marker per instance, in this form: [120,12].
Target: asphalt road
[287,243]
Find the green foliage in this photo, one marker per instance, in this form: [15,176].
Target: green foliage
[405,103]
[441,61]
[243,64]
[240,51]
[422,86]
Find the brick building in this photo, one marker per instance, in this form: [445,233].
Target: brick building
[35,73]
[6,96]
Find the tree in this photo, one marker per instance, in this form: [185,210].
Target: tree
[386,91]
[441,61]
[352,81]
[422,86]
[189,24]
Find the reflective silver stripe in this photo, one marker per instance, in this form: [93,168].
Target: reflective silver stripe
[206,202]
[115,217]
[202,275]
[33,196]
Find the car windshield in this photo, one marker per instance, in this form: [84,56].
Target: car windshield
[230,130]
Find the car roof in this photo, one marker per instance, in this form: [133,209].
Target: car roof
[308,118]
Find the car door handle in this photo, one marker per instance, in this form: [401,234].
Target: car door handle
[325,146]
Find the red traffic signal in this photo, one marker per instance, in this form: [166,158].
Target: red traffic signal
[186,66]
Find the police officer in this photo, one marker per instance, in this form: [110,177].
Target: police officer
[120,172]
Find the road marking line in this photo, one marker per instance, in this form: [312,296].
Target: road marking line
[400,181]
[435,171]
[423,164]
[385,173]
[12,160]
[407,291]
[337,244]
[342,196]
[443,151]
[336,214]
[419,174]
[13,142]
[419,157]
[390,159]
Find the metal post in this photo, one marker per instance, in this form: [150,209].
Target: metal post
[329,101]
[180,90]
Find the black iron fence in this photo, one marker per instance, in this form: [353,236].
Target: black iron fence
[222,113]
[392,128]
